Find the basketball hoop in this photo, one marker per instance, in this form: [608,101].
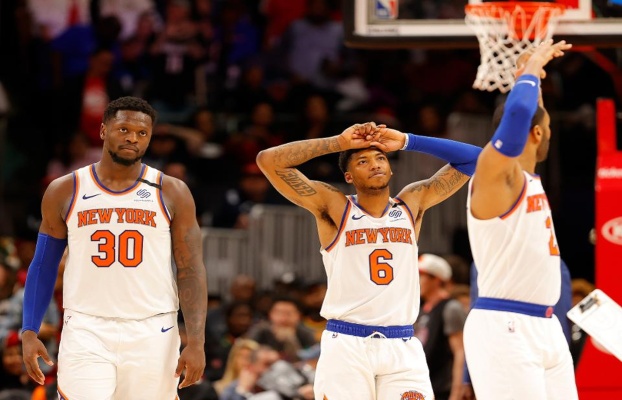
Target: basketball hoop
[504,31]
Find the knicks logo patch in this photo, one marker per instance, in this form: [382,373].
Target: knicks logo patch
[412,395]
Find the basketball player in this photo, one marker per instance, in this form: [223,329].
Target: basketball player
[514,345]
[121,220]
[369,247]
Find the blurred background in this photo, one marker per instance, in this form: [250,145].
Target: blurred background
[232,77]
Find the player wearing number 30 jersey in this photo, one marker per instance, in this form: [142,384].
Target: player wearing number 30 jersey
[121,223]
[369,247]
[121,233]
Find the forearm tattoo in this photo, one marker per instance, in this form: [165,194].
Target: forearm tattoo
[192,284]
[293,180]
[296,153]
[443,183]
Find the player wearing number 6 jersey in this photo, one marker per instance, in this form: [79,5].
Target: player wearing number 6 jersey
[369,247]
[122,222]
[514,345]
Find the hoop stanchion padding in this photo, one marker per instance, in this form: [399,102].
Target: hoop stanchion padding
[504,31]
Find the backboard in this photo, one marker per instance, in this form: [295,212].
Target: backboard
[440,23]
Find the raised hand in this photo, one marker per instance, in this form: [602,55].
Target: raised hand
[387,139]
[358,136]
[547,49]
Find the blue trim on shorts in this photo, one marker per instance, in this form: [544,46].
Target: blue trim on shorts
[390,332]
[520,307]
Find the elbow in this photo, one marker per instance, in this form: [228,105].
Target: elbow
[263,159]
[522,110]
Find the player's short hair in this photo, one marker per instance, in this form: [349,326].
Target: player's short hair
[536,120]
[128,103]
[346,155]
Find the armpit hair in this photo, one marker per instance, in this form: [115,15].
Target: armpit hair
[326,216]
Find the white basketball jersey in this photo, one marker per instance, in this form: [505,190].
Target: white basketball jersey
[516,254]
[371,267]
[119,262]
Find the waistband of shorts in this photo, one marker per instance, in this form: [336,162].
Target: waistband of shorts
[520,307]
[389,332]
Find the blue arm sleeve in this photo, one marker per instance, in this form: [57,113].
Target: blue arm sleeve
[40,280]
[511,135]
[461,156]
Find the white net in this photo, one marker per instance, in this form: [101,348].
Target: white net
[504,31]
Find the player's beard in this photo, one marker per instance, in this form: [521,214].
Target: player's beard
[124,161]
[376,188]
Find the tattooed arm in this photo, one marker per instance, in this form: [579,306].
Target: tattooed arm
[429,192]
[278,164]
[191,277]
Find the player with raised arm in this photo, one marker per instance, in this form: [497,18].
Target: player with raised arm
[369,248]
[122,221]
[514,345]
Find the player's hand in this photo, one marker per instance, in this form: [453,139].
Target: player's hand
[547,49]
[32,349]
[192,359]
[358,136]
[388,139]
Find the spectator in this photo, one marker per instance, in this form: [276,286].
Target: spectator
[71,156]
[129,13]
[283,331]
[312,299]
[279,15]
[176,53]
[246,385]
[313,45]
[252,189]
[241,290]
[239,318]
[87,94]
[439,327]
[259,134]
[53,17]
[135,67]
[249,92]
[74,47]
[239,40]
[238,359]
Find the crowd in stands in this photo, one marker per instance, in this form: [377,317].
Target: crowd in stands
[230,78]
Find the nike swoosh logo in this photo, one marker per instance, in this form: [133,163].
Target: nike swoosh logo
[529,82]
[85,197]
[354,217]
[167,329]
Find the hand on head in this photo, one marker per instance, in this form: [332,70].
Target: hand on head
[388,139]
[360,136]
